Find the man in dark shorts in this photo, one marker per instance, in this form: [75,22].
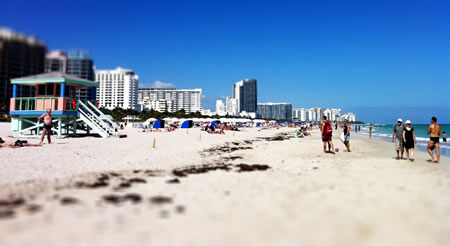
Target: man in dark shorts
[435,132]
[397,137]
[47,118]
[327,134]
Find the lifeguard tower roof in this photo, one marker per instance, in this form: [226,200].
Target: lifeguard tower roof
[54,77]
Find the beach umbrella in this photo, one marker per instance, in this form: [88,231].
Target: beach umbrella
[159,124]
[187,124]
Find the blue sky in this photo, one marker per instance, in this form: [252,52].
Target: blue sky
[378,59]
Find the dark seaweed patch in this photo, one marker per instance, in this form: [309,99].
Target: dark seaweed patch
[251,167]
[173,181]
[69,201]
[180,209]
[183,172]
[137,180]
[133,197]
[34,208]
[160,200]
[7,214]
[16,202]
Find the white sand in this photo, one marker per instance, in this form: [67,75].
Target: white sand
[307,198]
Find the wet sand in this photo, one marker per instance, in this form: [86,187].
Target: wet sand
[254,188]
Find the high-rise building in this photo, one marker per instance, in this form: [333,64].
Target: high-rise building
[327,113]
[190,100]
[56,61]
[220,108]
[335,114]
[349,116]
[276,111]
[318,114]
[81,65]
[20,56]
[245,91]
[299,114]
[231,105]
[117,88]
[310,115]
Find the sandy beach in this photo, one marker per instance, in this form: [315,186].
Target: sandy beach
[255,187]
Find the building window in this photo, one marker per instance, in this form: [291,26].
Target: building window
[45,90]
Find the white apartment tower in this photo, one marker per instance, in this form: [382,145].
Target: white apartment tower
[232,106]
[299,114]
[220,108]
[169,100]
[117,88]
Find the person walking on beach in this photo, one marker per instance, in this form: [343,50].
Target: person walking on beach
[347,134]
[327,134]
[444,137]
[409,138]
[397,137]
[435,132]
[47,118]
[370,130]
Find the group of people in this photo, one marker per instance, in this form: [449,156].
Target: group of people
[405,139]
[303,132]
[215,129]
[327,135]
[403,136]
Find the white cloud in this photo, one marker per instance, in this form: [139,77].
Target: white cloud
[160,84]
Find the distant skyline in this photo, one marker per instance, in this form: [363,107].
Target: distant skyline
[377,59]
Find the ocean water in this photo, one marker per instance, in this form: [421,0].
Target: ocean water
[384,131]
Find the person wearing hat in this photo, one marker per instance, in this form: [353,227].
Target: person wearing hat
[409,139]
[397,138]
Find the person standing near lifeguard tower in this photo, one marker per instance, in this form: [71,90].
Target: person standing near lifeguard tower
[47,118]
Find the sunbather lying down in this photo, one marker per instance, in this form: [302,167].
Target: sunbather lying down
[18,144]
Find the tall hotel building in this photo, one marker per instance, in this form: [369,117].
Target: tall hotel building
[81,65]
[117,88]
[20,56]
[299,114]
[245,91]
[169,100]
[276,111]
[77,63]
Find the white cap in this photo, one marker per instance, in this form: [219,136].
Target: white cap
[408,122]
[399,120]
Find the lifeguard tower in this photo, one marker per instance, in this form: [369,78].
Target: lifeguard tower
[57,91]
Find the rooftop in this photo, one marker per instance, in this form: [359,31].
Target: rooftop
[54,77]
